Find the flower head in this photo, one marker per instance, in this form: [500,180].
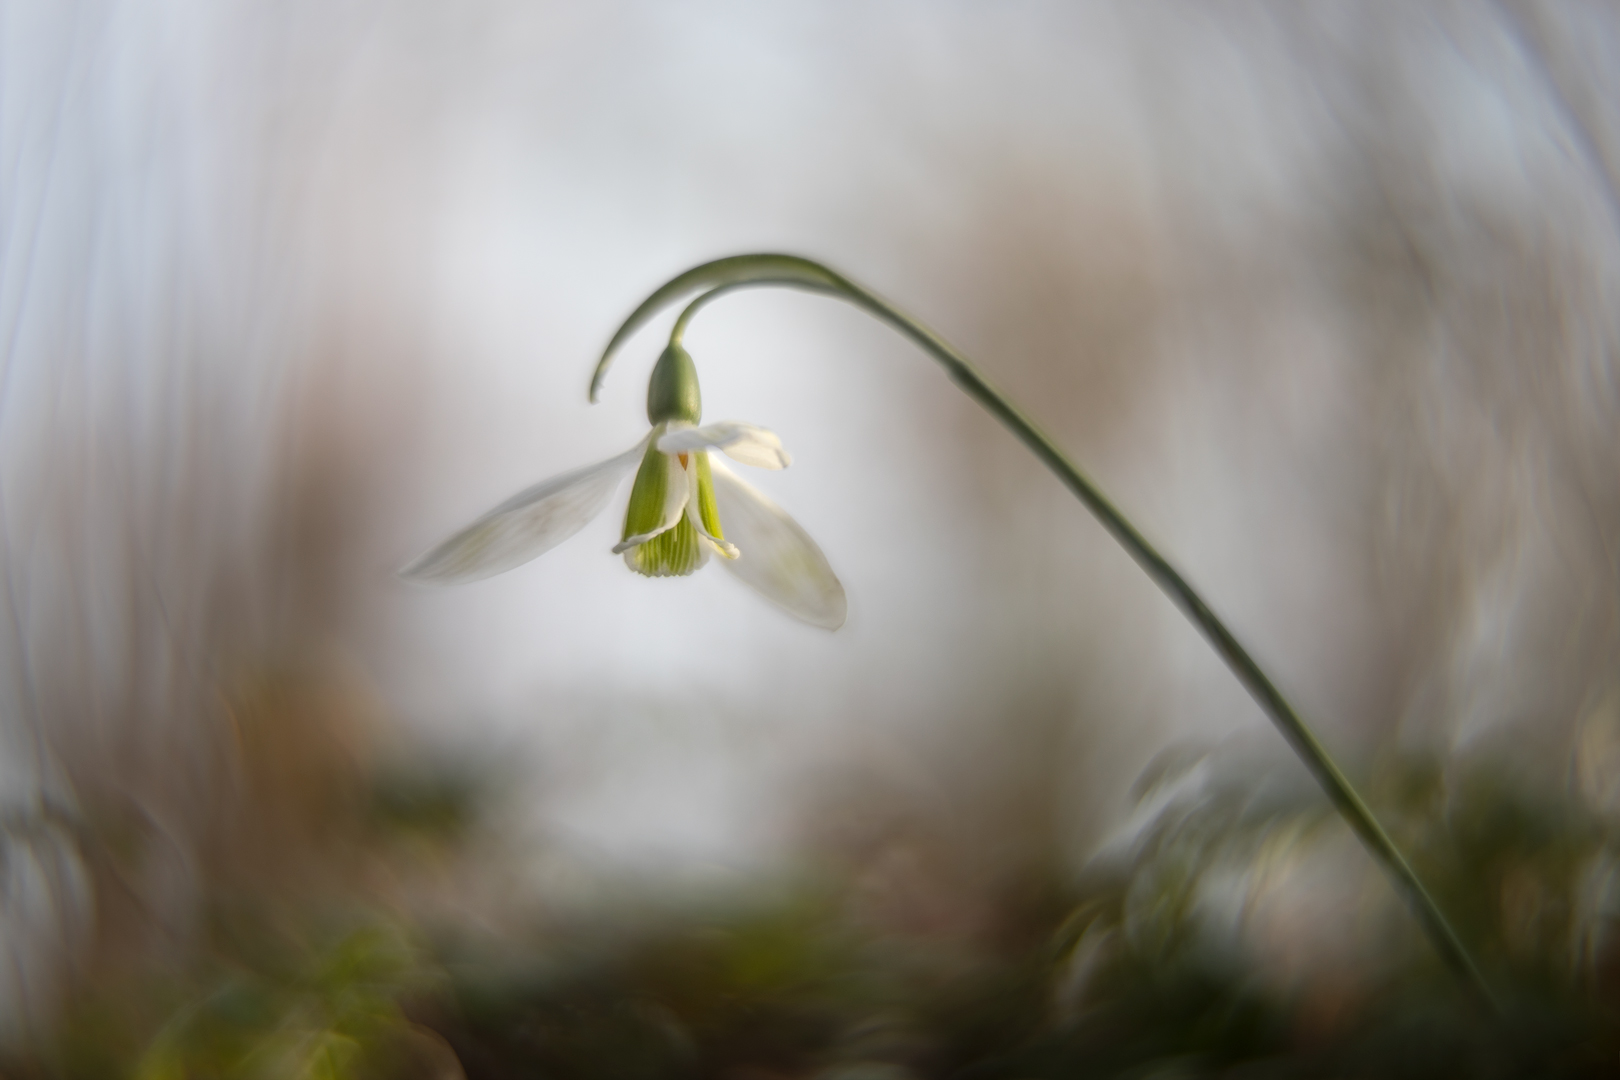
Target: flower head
[684,506]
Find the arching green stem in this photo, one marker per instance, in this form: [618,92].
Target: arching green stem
[714,279]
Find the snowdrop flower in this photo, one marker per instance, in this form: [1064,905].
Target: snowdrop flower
[684,506]
[680,499]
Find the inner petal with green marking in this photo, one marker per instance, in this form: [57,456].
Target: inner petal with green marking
[672,553]
[659,485]
[708,511]
[679,487]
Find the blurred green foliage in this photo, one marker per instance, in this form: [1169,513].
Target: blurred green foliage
[323,1017]
[1161,960]
[322,1008]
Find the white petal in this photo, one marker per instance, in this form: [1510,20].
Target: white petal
[528,524]
[724,548]
[677,493]
[776,557]
[746,443]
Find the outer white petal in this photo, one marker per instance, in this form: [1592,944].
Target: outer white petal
[677,493]
[746,443]
[528,524]
[777,558]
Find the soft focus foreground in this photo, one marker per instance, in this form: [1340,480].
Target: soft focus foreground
[1325,300]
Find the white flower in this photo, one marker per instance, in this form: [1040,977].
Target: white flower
[683,506]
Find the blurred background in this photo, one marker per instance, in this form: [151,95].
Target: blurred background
[1324,296]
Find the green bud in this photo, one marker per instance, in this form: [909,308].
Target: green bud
[672,392]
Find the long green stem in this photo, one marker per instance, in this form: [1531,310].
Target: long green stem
[715,279]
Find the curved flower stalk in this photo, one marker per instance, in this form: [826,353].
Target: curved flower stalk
[684,506]
[714,279]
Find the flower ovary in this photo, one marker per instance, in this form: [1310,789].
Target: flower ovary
[673,393]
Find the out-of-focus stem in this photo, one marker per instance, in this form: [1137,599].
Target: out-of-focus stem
[746,271]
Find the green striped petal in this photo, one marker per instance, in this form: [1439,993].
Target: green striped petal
[707,521]
[708,512]
[664,525]
[674,552]
[658,497]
